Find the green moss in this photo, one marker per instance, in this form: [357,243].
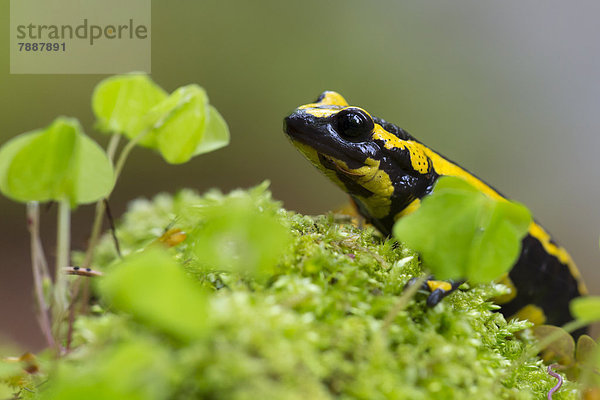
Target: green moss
[313,329]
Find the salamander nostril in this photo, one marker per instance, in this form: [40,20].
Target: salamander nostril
[293,124]
[288,122]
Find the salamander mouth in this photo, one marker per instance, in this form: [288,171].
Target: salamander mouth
[331,163]
[328,161]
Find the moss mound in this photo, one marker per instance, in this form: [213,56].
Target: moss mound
[325,321]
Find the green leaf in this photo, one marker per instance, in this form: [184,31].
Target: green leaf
[40,170]
[237,236]
[9,369]
[94,176]
[462,233]
[7,392]
[561,349]
[155,290]
[8,152]
[180,125]
[119,102]
[216,134]
[56,163]
[586,347]
[139,369]
[586,309]
[177,125]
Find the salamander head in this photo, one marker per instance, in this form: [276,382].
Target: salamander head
[380,165]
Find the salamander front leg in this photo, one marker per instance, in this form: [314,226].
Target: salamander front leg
[437,289]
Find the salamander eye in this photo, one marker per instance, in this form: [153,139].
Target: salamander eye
[353,123]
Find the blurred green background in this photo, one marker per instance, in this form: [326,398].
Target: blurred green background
[510,90]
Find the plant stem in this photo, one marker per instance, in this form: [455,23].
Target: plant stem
[99,205]
[97,227]
[125,152]
[40,270]
[63,249]
[112,146]
[574,325]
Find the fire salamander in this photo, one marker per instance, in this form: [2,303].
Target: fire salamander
[387,172]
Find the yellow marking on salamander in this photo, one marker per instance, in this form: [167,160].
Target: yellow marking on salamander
[505,298]
[418,157]
[313,156]
[433,285]
[374,179]
[321,112]
[369,176]
[539,233]
[409,209]
[333,99]
[531,313]
[330,104]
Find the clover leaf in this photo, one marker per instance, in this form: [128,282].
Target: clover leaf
[156,291]
[586,309]
[56,163]
[119,102]
[179,126]
[462,233]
